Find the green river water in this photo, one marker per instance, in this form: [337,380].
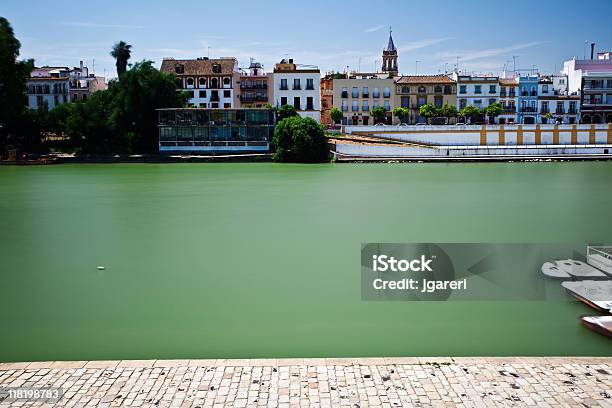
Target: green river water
[257,260]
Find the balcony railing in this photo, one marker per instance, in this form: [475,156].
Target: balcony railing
[572,112]
[544,110]
[502,94]
[253,86]
[509,110]
[214,98]
[534,93]
[249,98]
[528,109]
[560,111]
[345,109]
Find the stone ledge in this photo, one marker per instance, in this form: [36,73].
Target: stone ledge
[285,362]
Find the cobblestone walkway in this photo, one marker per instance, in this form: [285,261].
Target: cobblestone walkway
[392,382]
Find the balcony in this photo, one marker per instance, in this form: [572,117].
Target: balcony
[509,109]
[355,109]
[528,109]
[544,110]
[511,95]
[502,94]
[345,109]
[560,111]
[375,95]
[251,98]
[253,86]
[572,112]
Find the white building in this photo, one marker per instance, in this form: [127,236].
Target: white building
[83,84]
[48,86]
[297,85]
[210,83]
[555,106]
[480,91]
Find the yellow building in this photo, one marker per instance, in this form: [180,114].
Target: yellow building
[414,91]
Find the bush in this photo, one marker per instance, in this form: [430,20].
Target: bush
[300,140]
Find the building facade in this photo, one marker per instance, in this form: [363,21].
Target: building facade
[48,86]
[83,84]
[528,99]
[254,91]
[327,97]
[592,80]
[297,85]
[508,100]
[210,83]
[554,104]
[211,130]
[479,91]
[412,92]
[359,93]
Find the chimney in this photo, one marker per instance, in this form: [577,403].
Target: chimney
[291,60]
[81,65]
[592,49]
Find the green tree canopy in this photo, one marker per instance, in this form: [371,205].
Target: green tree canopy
[13,99]
[285,111]
[379,113]
[300,140]
[400,113]
[493,110]
[428,111]
[121,52]
[336,115]
[448,111]
[470,111]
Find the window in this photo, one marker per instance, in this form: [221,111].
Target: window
[216,68]
[386,93]
[296,84]
[437,89]
[376,103]
[448,89]
[492,101]
[405,89]
[376,93]
[283,100]
[202,94]
[283,84]
[422,89]
[309,103]
[39,100]
[214,83]
[179,68]
[387,105]
[296,103]
[344,106]
[309,84]
[478,103]
[492,88]
[477,89]
[227,94]
[226,81]
[214,105]
[355,107]
[364,106]
[559,107]
[366,92]
[544,88]
[462,89]
[572,107]
[344,92]
[545,107]
[405,102]
[189,81]
[438,101]
[422,100]
[202,82]
[355,92]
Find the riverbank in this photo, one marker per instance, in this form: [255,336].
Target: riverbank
[374,382]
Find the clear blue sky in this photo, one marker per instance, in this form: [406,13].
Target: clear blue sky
[330,34]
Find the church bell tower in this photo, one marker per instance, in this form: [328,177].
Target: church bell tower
[389,57]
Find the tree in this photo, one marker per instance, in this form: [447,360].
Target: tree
[428,111]
[285,111]
[121,53]
[336,115]
[470,111]
[448,111]
[300,140]
[379,114]
[13,99]
[401,114]
[493,110]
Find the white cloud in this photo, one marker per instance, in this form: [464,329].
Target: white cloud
[491,52]
[421,44]
[373,29]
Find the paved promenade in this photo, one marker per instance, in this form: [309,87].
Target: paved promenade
[373,382]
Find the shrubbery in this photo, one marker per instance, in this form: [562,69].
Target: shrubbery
[300,140]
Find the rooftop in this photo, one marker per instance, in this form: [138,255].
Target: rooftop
[199,66]
[425,79]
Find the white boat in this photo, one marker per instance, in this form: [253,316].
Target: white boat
[600,324]
[600,257]
[578,268]
[595,293]
[551,269]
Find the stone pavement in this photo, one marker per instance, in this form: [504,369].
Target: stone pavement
[370,382]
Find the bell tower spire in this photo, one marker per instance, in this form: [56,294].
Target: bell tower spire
[389,57]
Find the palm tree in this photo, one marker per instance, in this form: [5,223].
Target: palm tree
[121,52]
